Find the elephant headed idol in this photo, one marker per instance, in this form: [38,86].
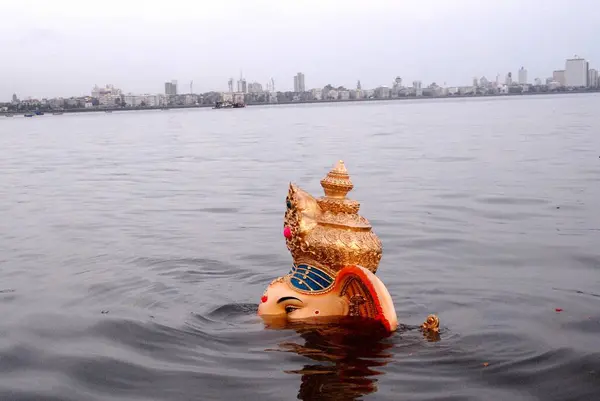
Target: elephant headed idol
[335,259]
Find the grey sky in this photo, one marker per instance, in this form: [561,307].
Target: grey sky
[63,48]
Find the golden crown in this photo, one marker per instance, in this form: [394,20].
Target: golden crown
[328,232]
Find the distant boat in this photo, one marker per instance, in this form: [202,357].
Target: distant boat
[28,115]
[108,111]
[223,105]
[57,113]
[9,115]
[39,113]
[228,105]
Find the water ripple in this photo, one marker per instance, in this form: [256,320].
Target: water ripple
[134,247]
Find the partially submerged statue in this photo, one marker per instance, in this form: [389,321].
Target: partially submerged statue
[336,255]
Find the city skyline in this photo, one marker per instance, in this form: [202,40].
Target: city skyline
[59,49]
[577,72]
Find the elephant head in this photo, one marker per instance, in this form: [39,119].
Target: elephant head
[335,257]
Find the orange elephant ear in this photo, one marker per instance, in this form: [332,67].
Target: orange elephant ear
[366,295]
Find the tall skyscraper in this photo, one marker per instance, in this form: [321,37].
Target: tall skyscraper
[242,86]
[299,83]
[522,76]
[171,88]
[593,78]
[576,72]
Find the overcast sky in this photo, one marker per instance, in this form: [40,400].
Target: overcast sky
[62,48]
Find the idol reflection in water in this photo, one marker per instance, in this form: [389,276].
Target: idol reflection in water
[349,356]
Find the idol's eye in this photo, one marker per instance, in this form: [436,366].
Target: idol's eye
[288,203]
[290,308]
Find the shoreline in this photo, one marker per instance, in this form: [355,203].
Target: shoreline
[99,110]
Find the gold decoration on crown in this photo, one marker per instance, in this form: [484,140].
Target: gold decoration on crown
[328,232]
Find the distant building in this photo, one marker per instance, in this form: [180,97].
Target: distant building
[242,86]
[57,102]
[508,80]
[171,88]
[522,76]
[317,94]
[418,87]
[97,92]
[483,82]
[538,81]
[107,96]
[255,87]
[344,95]
[593,78]
[560,77]
[144,100]
[382,92]
[332,94]
[299,83]
[358,86]
[576,72]
[190,99]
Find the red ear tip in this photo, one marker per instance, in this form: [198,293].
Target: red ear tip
[287,232]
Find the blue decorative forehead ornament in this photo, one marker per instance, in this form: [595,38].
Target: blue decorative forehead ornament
[309,279]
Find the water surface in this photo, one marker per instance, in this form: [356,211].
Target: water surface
[135,246]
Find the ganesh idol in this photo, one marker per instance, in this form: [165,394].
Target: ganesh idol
[335,255]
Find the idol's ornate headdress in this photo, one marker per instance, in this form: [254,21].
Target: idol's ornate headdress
[328,233]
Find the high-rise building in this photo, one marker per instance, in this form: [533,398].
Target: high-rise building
[299,83]
[508,80]
[559,76]
[418,87]
[230,84]
[538,81]
[171,88]
[522,76]
[255,87]
[242,86]
[593,78]
[576,72]
[358,86]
